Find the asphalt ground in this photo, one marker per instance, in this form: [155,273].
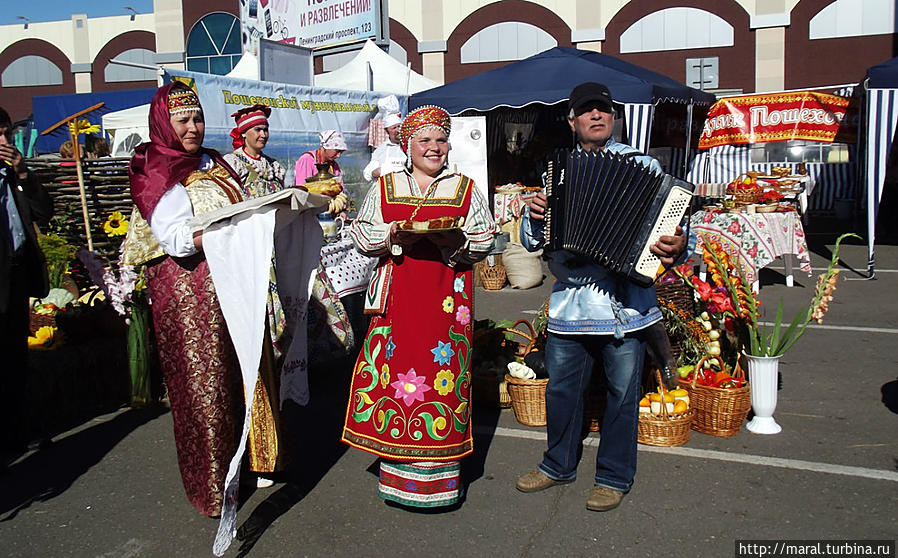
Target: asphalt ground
[111,488]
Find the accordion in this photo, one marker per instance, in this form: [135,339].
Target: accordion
[611,209]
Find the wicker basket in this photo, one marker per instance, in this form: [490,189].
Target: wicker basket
[492,278]
[678,293]
[747,197]
[664,430]
[681,296]
[528,400]
[718,411]
[37,321]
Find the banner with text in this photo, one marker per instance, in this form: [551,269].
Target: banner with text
[309,23]
[298,113]
[800,115]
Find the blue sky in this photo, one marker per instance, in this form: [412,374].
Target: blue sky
[53,10]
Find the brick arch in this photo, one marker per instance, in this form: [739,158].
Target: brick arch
[519,11]
[400,35]
[193,12]
[17,100]
[801,51]
[116,46]
[737,63]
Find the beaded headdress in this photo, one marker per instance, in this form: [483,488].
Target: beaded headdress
[423,118]
[180,101]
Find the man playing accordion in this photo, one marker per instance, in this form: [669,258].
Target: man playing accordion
[593,313]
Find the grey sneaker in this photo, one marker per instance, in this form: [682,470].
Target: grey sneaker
[535,480]
[602,498]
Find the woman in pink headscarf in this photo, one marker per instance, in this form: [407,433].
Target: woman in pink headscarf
[333,144]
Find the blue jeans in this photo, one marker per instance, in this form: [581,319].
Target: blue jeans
[569,360]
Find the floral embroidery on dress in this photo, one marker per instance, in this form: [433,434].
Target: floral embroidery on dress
[384,376]
[448,305]
[459,284]
[442,353]
[444,382]
[410,387]
[389,347]
[463,315]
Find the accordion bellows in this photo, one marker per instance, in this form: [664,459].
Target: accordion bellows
[611,209]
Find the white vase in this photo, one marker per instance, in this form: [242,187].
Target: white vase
[764,380]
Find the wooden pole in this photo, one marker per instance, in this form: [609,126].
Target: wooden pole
[74,135]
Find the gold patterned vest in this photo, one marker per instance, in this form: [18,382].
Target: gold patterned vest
[208,190]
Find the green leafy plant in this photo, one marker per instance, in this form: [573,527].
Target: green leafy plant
[58,253]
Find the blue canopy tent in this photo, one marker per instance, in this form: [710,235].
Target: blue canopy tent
[50,109]
[548,77]
[881,89]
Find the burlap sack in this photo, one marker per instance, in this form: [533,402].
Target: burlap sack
[522,268]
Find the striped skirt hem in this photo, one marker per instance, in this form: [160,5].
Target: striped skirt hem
[422,484]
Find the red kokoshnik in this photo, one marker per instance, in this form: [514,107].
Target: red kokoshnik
[422,118]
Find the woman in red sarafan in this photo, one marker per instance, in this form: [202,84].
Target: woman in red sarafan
[410,394]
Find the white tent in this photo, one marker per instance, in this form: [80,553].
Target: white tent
[128,128]
[246,68]
[389,75]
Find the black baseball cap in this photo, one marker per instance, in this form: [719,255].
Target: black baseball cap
[590,91]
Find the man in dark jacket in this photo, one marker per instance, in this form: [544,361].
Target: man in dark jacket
[23,273]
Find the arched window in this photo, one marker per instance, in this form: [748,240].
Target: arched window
[677,28]
[509,40]
[851,18]
[31,70]
[213,45]
[118,72]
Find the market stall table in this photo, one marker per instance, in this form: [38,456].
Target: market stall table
[756,239]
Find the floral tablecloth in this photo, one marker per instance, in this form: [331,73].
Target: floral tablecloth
[755,238]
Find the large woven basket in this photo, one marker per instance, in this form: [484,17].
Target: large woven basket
[664,430]
[678,293]
[681,296]
[528,400]
[492,278]
[718,411]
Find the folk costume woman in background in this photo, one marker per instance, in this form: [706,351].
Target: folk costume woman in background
[261,175]
[173,177]
[410,394]
[333,144]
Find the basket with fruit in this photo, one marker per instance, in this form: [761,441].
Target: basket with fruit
[745,189]
[721,399]
[665,417]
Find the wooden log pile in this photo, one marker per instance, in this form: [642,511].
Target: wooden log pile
[106,188]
